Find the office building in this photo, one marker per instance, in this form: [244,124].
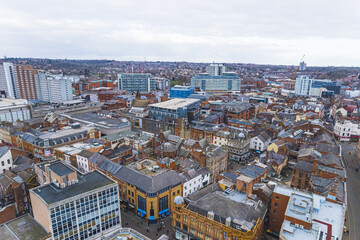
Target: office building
[302,66]
[226,82]
[134,82]
[25,82]
[181,91]
[151,196]
[215,69]
[73,205]
[303,85]
[172,109]
[8,80]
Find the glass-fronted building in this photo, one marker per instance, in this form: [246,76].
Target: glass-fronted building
[226,82]
[181,91]
[74,205]
[134,82]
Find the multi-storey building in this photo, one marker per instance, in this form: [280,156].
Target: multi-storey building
[72,205]
[303,85]
[236,141]
[215,69]
[217,215]
[12,110]
[25,82]
[54,88]
[346,130]
[181,91]
[173,109]
[227,82]
[134,82]
[42,144]
[295,214]
[8,80]
[151,196]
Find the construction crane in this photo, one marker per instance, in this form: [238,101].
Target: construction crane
[296,69]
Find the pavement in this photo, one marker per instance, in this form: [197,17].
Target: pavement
[130,219]
[351,162]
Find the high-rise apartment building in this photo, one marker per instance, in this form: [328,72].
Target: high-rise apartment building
[302,66]
[71,205]
[25,82]
[53,88]
[8,80]
[215,69]
[133,82]
[303,85]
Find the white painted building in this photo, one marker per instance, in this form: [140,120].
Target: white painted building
[8,79]
[54,88]
[82,160]
[260,142]
[195,180]
[303,85]
[6,161]
[346,130]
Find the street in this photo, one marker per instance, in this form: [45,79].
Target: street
[351,162]
[129,219]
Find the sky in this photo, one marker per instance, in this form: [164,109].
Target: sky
[240,31]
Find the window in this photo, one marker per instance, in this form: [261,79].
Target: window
[8,161]
[2,163]
[141,203]
[277,197]
[275,212]
[163,203]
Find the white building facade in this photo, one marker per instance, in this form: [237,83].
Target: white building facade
[8,79]
[6,161]
[259,143]
[54,88]
[346,130]
[199,180]
[303,85]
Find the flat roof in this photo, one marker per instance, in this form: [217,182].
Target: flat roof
[300,207]
[87,182]
[175,103]
[24,228]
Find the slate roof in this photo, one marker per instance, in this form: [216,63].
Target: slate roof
[240,213]
[96,158]
[3,151]
[231,176]
[21,160]
[85,153]
[305,166]
[109,166]
[147,183]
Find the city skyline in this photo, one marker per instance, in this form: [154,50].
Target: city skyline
[238,32]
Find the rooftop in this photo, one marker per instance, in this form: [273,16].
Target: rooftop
[23,228]
[175,103]
[87,182]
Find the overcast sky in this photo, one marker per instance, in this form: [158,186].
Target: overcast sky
[245,31]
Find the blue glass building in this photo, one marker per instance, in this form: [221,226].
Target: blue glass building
[181,91]
[226,82]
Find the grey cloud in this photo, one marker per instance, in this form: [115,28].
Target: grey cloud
[276,32]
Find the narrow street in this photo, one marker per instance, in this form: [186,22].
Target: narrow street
[352,162]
